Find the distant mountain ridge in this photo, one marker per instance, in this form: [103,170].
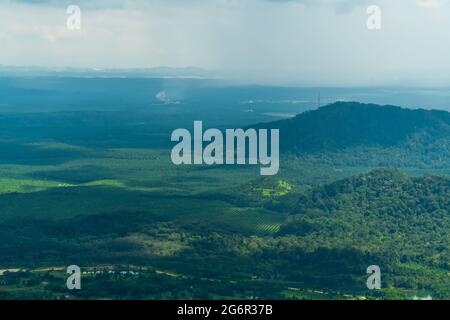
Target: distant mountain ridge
[157,72]
[343,125]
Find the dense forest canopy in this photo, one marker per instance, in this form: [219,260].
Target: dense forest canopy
[344,125]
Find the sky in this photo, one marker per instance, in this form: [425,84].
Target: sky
[304,42]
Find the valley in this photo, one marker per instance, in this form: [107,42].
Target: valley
[97,188]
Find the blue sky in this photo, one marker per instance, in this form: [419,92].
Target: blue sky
[314,42]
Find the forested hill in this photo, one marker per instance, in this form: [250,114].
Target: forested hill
[398,222]
[345,125]
[408,216]
[382,192]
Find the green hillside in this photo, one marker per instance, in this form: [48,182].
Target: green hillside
[403,221]
[350,124]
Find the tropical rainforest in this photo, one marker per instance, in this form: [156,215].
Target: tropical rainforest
[86,179]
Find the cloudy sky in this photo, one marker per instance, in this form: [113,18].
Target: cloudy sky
[310,42]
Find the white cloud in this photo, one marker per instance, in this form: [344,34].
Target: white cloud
[429,4]
[311,42]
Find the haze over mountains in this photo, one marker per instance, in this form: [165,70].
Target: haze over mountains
[81,152]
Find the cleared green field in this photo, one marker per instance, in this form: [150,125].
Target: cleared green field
[134,180]
[60,181]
